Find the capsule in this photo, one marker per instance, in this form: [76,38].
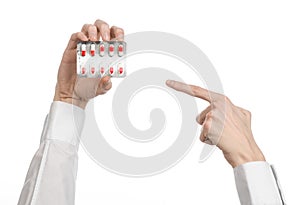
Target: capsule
[93,70]
[92,50]
[111,50]
[111,70]
[120,69]
[120,50]
[101,49]
[83,49]
[83,71]
[102,70]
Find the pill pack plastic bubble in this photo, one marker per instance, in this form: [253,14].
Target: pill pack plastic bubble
[100,58]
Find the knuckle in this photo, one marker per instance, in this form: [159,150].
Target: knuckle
[101,24]
[104,26]
[99,21]
[87,26]
[206,126]
[209,115]
[202,113]
[119,30]
[202,138]
[75,35]
[248,113]
[213,104]
[227,100]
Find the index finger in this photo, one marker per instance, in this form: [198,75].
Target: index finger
[75,37]
[192,90]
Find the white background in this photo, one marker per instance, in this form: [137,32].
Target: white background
[254,46]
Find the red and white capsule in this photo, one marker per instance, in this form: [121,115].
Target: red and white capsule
[83,50]
[83,71]
[101,49]
[111,70]
[111,49]
[92,50]
[120,69]
[93,70]
[102,70]
[120,50]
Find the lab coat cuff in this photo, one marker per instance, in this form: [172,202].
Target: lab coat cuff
[257,183]
[64,123]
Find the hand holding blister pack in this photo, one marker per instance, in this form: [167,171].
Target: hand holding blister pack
[101,58]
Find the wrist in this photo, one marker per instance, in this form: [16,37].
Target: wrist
[70,100]
[242,157]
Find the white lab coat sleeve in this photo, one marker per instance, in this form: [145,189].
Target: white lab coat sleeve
[257,184]
[51,176]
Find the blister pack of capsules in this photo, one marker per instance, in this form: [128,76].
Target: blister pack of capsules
[101,58]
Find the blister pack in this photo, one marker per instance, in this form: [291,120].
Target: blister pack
[101,58]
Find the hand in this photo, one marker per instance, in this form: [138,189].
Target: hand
[224,125]
[79,91]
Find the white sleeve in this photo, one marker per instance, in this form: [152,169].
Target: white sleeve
[51,176]
[257,184]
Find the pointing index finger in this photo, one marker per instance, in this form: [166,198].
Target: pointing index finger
[190,90]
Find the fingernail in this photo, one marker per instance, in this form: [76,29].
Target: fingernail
[169,82]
